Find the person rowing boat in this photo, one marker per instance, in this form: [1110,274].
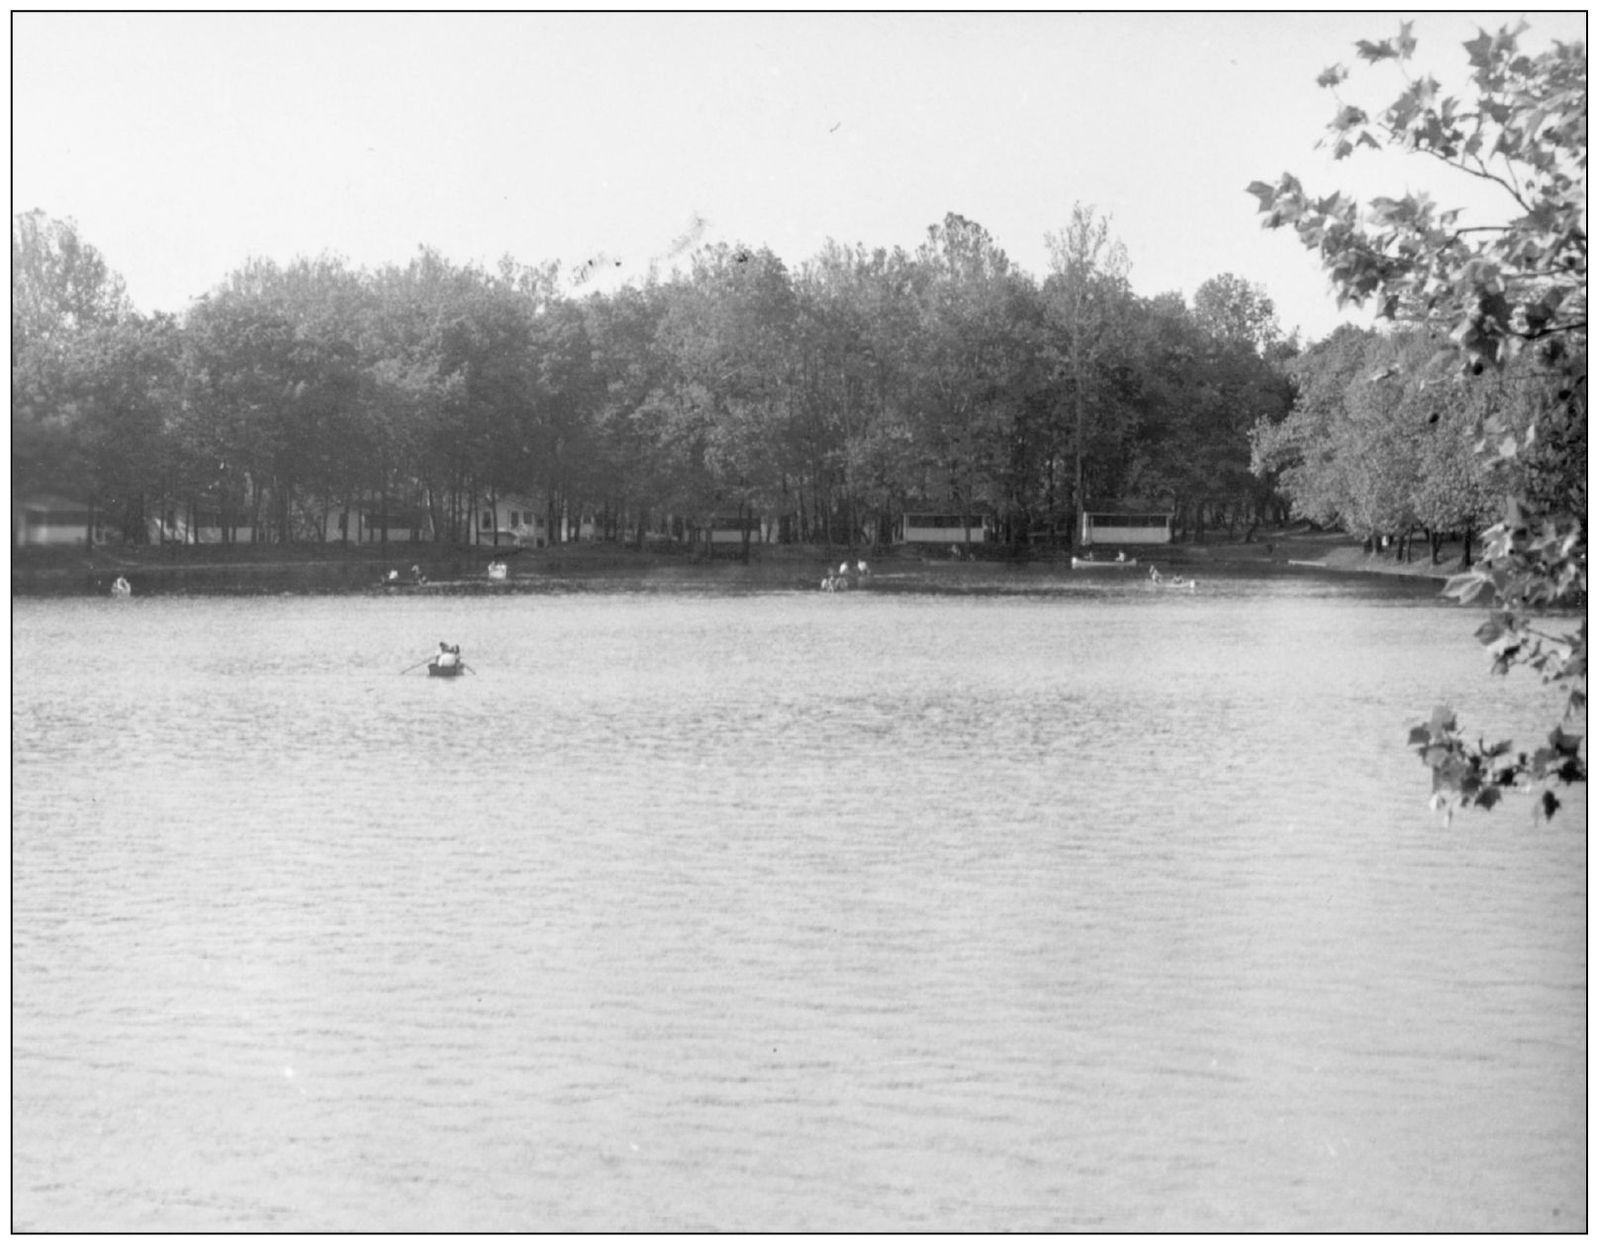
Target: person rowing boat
[446,662]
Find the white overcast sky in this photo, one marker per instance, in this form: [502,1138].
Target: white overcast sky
[183,144]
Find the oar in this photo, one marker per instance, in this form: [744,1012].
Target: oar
[414,665]
[469,668]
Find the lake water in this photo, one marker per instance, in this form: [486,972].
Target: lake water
[1042,905]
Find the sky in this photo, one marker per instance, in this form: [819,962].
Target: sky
[184,144]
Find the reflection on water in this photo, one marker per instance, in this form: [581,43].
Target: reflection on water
[1036,910]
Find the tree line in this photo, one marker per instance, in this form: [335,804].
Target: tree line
[834,397]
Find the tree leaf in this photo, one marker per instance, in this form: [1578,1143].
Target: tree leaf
[1264,192]
[1490,631]
[1465,586]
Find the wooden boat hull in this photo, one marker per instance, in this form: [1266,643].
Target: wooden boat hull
[445,673]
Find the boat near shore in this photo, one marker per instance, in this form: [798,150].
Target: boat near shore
[1080,564]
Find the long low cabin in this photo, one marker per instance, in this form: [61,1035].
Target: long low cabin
[942,529]
[49,520]
[1126,528]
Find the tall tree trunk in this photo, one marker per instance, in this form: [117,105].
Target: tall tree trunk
[1079,501]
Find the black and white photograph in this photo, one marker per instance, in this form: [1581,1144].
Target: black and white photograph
[803,622]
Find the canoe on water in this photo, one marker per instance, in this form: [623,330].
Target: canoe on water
[1079,563]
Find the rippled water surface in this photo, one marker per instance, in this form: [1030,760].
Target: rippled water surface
[1043,909]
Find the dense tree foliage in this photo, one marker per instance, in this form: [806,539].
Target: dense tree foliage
[65,299]
[821,403]
[1510,293]
[1379,444]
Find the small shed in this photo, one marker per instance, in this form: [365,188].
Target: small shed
[510,520]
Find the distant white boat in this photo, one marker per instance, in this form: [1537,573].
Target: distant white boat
[1107,563]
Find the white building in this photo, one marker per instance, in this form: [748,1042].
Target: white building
[518,521]
[1126,528]
[50,520]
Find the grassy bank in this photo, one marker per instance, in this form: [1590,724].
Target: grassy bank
[1333,552]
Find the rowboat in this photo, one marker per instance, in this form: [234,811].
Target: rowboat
[1173,582]
[448,672]
[1106,563]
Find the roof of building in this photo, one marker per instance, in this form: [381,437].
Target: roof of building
[1128,506]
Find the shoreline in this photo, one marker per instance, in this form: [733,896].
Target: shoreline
[274,569]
